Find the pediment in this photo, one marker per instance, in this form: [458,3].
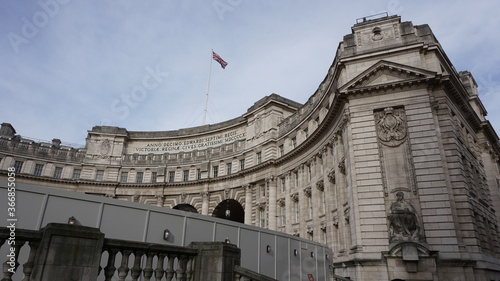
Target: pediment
[384,73]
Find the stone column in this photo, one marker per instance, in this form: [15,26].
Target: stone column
[68,252]
[248,204]
[204,205]
[271,183]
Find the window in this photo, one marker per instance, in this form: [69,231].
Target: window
[310,207]
[296,179]
[309,172]
[185,175]
[296,209]
[262,217]
[294,142]
[228,168]
[242,164]
[76,174]
[259,157]
[58,172]
[123,177]
[18,165]
[323,202]
[171,176]
[154,176]
[99,175]
[283,184]
[281,150]
[215,170]
[198,174]
[262,190]
[38,170]
[283,216]
[139,176]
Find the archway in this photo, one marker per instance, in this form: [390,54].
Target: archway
[186,208]
[230,209]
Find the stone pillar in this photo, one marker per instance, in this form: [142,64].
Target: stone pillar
[248,204]
[215,261]
[204,204]
[68,252]
[271,183]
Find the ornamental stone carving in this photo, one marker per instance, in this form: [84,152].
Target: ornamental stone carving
[331,176]
[320,185]
[307,191]
[342,165]
[404,224]
[281,202]
[295,197]
[391,126]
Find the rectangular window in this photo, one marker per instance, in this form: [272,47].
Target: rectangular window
[171,176]
[76,174]
[18,165]
[281,150]
[262,218]
[228,168]
[262,190]
[154,176]
[323,202]
[38,170]
[198,174]
[124,177]
[283,184]
[296,209]
[259,157]
[139,176]
[185,175]
[283,216]
[215,170]
[99,175]
[58,172]
[294,142]
[296,179]
[242,164]
[309,172]
[310,206]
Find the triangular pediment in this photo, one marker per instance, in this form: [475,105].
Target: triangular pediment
[385,73]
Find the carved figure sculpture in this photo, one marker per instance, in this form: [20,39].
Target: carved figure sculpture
[403,221]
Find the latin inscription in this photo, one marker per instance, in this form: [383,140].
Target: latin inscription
[189,144]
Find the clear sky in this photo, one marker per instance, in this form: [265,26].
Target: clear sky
[68,65]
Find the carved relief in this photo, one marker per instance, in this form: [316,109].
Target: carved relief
[307,191]
[342,165]
[320,185]
[391,126]
[294,197]
[331,176]
[404,224]
[281,202]
[105,148]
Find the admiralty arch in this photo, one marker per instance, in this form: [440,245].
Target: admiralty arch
[390,162]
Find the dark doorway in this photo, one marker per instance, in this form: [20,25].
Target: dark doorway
[230,209]
[186,208]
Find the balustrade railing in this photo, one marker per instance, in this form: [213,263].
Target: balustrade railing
[162,261]
[16,239]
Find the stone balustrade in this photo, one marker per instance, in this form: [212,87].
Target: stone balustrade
[75,252]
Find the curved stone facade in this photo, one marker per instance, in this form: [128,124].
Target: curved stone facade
[391,162]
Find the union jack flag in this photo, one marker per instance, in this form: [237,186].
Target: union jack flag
[218,59]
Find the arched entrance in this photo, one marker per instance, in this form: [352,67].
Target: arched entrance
[230,209]
[186,208]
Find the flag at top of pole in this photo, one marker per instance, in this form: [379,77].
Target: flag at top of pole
[218,59]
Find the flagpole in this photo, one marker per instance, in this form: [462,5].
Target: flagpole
[208,89]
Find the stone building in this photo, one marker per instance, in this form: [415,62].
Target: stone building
[391,162]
